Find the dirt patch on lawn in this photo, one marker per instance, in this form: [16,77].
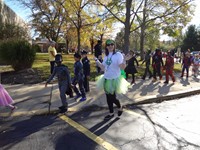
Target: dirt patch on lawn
[27,76]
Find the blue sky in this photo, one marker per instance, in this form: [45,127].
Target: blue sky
[24,13]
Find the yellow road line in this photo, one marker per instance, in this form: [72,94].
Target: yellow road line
[89,134]
[134,113]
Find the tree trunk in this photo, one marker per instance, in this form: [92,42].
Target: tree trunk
[142,34]
[79,40]
[92,45]
[127,27]
[142,38]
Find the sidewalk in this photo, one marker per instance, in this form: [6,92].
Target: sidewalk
[34,99]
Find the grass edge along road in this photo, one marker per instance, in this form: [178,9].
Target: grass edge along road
[41,64]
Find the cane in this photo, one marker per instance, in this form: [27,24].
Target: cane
[50,98]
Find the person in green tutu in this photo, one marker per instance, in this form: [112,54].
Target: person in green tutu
[112,81]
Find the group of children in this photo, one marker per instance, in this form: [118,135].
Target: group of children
[159,67]
[65,83]
[82,74]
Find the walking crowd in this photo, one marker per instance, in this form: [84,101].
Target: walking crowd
[113,73]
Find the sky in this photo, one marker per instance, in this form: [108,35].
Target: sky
[24,13]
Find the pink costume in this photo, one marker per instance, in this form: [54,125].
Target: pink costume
[5,99]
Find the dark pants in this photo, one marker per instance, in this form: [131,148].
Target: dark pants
[169,72]
[81,88]
[98,68]
[63,86]
[157,71]
[86,84]
[147,70]
[52,64]
[111,99]
[133,77]
[185,68]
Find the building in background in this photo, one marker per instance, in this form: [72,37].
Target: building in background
[8,16]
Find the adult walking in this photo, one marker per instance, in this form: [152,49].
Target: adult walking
[98,54]
[86,70]
[52,53]
[111,81]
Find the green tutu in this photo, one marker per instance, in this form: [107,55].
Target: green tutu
[123,73]
[111,86]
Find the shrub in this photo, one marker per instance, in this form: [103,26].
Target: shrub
[36,48]
[17,53]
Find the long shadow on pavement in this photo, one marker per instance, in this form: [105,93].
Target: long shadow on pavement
[20,130]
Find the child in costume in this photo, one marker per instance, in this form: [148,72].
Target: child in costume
[157,64]
[5,99]
[64,81]
[169,67]
[196,63]
[112,81]
[131,68]
[186,64]
[78,78]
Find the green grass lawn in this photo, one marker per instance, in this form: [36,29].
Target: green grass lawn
[42,64]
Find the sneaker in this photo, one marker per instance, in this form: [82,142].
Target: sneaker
[109,116]
[120,111]
[154,80]
[13,109]
[71,95]
[77,96]
[133,82]
[62,107]
[160,77]
[166,82]
[83,99]
[63,110]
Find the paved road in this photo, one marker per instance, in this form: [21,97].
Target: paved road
[168,125]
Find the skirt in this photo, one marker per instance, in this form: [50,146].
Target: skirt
[111,86]
[5,98]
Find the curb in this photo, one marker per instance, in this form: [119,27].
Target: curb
[168,97]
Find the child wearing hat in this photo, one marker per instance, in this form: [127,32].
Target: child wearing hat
[64,81]
[78,78]
[86,70]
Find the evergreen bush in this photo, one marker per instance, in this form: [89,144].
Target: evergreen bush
[17,53]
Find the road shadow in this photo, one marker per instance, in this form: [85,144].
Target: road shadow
[136,86]
[196,79]
[102,126]
[18,131]
[164,90]
[184,81]
[149,88]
